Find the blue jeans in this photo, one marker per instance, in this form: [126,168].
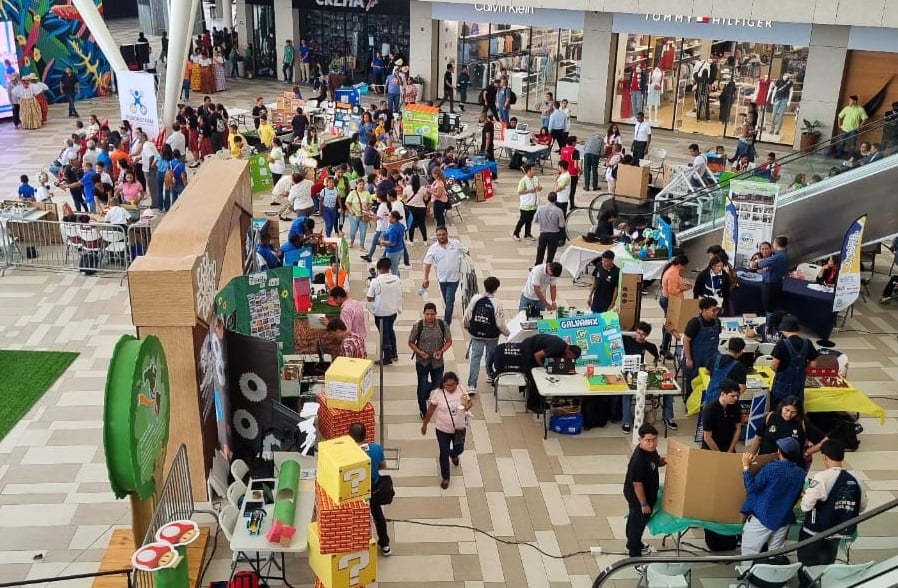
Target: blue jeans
[169,197]
[395,258]
[503,114]
[429,378]
[357,225]
[439,213]
[665,334]
[627,409]
[849,143]
[478,346]
[330,219]
[448,448]
[394,101]
[70,98]
[539,304]
[448,290]
[778,114]
[374,241]
[387,343]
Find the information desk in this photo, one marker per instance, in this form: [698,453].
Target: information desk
[813,308]
[243,541]
[467,174]
[816,399]
[575,386]
[579,253]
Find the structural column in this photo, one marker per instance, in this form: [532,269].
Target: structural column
[286,26]
[93,20]
[823,78]
[424,57]
[181,19]
[243,23]
[596,69]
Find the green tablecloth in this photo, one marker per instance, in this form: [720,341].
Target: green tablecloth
[664,523]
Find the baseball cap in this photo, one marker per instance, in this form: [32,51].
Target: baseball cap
[789,447]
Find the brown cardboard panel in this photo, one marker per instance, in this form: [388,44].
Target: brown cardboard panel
[679,311]
[633,181]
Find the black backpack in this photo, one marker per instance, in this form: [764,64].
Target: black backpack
[512,97]
[483,320]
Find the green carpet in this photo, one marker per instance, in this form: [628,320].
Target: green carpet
[24,377]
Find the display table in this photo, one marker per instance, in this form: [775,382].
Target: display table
[508,148]
[467,174]
[666,524]
[813,308]
[243,541]
[516,331]
[822,399]
[463,141]
[575,386]
[579,253]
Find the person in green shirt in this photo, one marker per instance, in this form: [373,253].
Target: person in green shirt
[528,195]
[358,203]
[289,54]
[850,120]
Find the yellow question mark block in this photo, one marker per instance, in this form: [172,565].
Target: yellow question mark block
[344,470]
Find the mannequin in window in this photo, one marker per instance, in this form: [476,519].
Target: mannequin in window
[762,89]
[727,98]
[702,77]
[656,87]
[637,83]
[779,96]
[623,89]
[667,55]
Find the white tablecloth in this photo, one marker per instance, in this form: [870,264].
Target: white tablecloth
[574,260]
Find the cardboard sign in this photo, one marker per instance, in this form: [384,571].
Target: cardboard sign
[679,311]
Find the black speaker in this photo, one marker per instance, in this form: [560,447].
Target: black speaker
[129,53]
[143,52]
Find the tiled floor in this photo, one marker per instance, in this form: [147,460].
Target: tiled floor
[563,494]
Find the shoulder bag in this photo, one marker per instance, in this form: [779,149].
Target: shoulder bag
[460,434]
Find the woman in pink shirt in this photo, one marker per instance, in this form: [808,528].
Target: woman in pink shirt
[449,405]
[672,286]
[439,197]
[131,191]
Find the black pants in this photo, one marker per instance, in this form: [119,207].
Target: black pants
[821,553]
[380,521]
[419,221]
[546,247]
[574,180]
[526,221]
[639,148]
[770,294]
[559,136]
[636,524]
[448,94]
[562,236]
[16,120]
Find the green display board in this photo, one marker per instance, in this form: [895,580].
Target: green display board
[260,305]
[260,174]
[424,123]
[597,335]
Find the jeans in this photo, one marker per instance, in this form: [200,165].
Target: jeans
[387,340]
[429,378]
[448,94]
[636,523]
[394,101]
[590,171]
[503,114]
[70,98]
[169,197]
[395,258]
[374,241]
[849,143]
[439,212]
[448,448]
[185,89]
[330,219]
[639,149]
[234,70]
[448,290]
[636,102]
[546,246]
[419,221]
[525,221]
[665,334]
[525,302]
[478,346]
[627,409]
[357,225]
[778,114]
[80,205]
[288,72]
[380,521]
[91,205]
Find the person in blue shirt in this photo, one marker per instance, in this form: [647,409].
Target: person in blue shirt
[268,252]
[394,90]
[773,269]
[375,451]
[771,496]
[26,192]
[103,157]
[88,179]
[393,241]
[377,68]
[302,231]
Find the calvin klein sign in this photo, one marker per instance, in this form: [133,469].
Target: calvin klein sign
[502,8]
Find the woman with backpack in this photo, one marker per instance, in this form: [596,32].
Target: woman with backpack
[171,176]
[429,339]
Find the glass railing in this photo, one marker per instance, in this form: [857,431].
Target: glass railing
[866,557]
[701,209]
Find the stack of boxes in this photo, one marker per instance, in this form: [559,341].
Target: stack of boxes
[334,422]
[285,108]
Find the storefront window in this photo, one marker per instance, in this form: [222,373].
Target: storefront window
[537,60]
[264,43]
[706,86]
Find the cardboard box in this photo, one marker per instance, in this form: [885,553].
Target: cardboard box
[705,485]
[633,181]
[344,470]
[341,570]
[334,422]
[679,311]
[341,528]
[349,383]
[630,301]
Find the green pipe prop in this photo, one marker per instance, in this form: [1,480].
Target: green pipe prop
[288,486]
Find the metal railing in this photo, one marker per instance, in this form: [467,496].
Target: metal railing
[88,247]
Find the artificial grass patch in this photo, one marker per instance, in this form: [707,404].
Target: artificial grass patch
[24,377]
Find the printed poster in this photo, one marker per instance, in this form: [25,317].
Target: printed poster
[754,207]
[597,335]
[848,283]
[261,305]
[137,100]
[347,111]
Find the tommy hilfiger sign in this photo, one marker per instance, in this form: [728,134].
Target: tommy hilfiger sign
[727,22]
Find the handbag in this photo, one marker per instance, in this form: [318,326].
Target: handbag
[385,490]
[460,434]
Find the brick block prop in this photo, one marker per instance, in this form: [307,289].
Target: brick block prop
[334,422]
[341,570]
[342,528]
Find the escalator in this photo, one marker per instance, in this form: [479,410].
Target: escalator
[868,560]
[814,217]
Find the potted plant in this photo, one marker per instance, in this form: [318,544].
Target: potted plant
[419,84]
[810,134]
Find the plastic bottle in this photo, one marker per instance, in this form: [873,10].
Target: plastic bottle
[422,292]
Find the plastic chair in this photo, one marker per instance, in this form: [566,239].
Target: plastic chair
[217,484]
[809,270]
[668,575]
[239,469]
[236,492]
[657,157]
[768,573]
[227,520]
[115,245]
[765,348]
[835,575]
[508,379]
[763,361]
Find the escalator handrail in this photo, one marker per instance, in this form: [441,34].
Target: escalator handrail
[610,570]
[789,158]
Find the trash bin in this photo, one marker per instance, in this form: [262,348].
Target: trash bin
[241,68]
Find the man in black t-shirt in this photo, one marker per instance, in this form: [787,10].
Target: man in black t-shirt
[535,350]
[299,123]
[385,114]
[258,110]
[486,136]
[638,344]
[603,295]
[731,363]
[448,88]
[722,419]
[69,86]
[641,487]
[792,355]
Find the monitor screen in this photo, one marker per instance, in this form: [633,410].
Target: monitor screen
[412,140]
[7,53]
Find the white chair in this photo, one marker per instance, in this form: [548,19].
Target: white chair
[239,469]
[71,238]
[764,361]
[668,575]
[657,157]
[227,520]
[115,246]
[310,104]
[765,348]
[843,365]
[769,573]
[808,270]
[835,575]
[508,379]
[217,484]
[236,492]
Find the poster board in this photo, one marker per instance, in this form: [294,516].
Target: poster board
[137,100]
[347,111]
[597,335]
[423,121]
[751,208]
[259,173]
[260,305]
[848,284]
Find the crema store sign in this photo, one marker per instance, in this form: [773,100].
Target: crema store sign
[706,27]
[502,8]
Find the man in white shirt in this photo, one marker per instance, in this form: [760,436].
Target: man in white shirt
[147,156]
[90,154]
[176,139]
[484,320]
[301,195]
[699,165]
[385,303]
[446,254]
[642,138]
[116,215]
[69,153]
[557,124]
[542,277]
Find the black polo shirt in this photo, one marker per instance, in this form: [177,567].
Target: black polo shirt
[721,422]
[553,345]
[643,467]
[606,281]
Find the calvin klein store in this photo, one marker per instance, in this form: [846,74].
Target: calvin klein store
[540,48]
[701,75]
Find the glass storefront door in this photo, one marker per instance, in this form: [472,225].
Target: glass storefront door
[707,86]
[263,40]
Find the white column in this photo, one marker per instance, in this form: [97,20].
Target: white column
[423,55]
[823,78]
[181,18]
[243,22]
[225,10]
[596,69]
[100,31]
[285,26]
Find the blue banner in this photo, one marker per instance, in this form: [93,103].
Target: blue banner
[730,230]
[666,236]
[597,335]
[347,111]
[848,282]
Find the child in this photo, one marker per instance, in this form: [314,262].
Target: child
[641,487]
[43,187]
[329,200]
[26,192]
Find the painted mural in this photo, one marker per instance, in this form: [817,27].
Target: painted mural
[51,36]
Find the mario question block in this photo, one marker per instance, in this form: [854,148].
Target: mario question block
[342,570]
[344,470]
[349,383]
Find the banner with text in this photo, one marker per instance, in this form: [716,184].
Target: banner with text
[137,100]
[848,284]
[753,208]
[597,335]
